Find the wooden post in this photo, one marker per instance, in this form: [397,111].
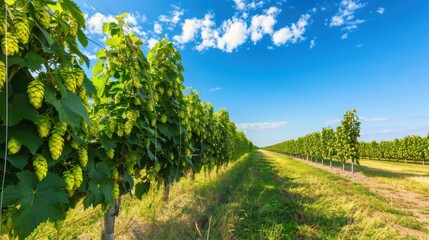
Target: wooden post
[166,191]
[108,228]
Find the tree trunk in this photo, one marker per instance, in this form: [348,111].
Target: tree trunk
[343,166]
[108,228]
[353,170]
[322,161]
[330,163]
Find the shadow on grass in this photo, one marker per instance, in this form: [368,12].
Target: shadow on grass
[249,201]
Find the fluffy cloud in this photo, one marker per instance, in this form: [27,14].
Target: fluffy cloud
[260,126]
[151,42]
[346,15]
[94,23]
[189,31]
[235,34]
[380,10]
[291,34]
[157,28]
[242,5]
[209,36]
[175,17]
[263,24]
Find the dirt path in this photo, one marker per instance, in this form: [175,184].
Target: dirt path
[398,198]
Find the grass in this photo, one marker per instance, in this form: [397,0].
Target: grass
[399,175]
[262,196]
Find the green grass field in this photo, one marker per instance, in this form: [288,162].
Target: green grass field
[263,196]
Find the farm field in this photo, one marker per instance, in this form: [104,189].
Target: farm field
[218,120]
[264,195]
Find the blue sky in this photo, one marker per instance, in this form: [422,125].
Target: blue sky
[286,68]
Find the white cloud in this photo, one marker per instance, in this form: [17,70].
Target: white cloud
[312,44]
[374,119]
[333,121]
[151,42]
[242,5]
[174,18]
[359,45]
[346,15]
[209,36]
[345,36]
[254,5]
[189,30]
[215,89]
[260,126]
[157,28]
[235,34]
[94,23]
[380,10]
[337,21]
[263,24]
[291,34]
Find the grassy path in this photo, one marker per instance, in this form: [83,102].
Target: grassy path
[263,196]
[394,181]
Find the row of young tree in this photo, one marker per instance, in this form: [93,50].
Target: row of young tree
[409,148]
[341,144]
[66,139]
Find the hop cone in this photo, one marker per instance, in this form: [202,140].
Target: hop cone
[13,146]
[77,174]
[74,27]
[56,141]
[21,27]
[82,153]
[40,166]
[44,125]
[36,92]
[9,44]
[2,74]
[43,16]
